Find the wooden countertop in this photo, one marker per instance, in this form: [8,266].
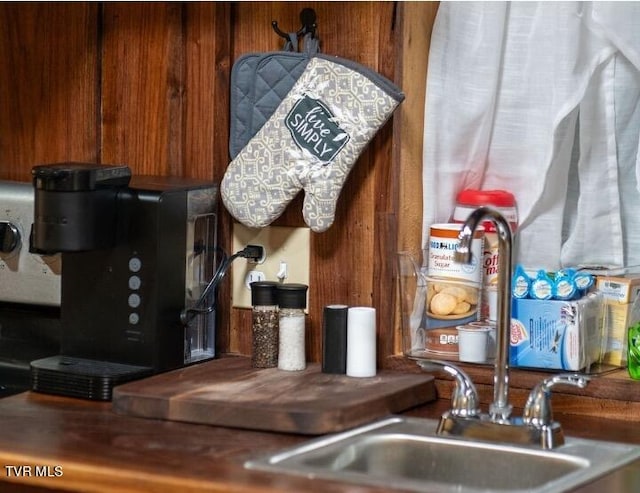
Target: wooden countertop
[85,446]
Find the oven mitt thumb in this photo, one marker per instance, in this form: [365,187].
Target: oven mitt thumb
[310,142]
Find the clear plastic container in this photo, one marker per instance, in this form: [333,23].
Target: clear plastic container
[264,329]
[292,301]
[431,310]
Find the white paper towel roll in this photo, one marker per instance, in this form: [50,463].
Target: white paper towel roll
[361,341]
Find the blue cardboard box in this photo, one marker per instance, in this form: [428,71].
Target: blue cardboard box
[561,335]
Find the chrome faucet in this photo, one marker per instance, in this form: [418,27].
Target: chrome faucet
[464,419]
[500,408]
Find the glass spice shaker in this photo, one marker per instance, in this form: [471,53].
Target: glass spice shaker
[264,330]
[292,300]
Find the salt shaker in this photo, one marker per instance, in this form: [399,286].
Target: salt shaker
[264,330]
[292,300]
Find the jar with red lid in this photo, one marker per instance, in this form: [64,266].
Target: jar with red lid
[504,202]
[470,199]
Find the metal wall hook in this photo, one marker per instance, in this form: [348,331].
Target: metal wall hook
[308,21]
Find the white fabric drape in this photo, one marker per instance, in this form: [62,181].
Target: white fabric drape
[541,99]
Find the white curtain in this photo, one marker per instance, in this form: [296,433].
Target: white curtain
[541,99]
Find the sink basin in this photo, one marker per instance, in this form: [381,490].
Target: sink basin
[406,453]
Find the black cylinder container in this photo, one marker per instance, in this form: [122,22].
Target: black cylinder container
[334,339]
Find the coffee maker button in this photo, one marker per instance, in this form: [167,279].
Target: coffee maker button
[135,264]
[134,283]
[134,318]
[134,300]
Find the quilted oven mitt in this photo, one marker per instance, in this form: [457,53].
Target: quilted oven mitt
[310,142]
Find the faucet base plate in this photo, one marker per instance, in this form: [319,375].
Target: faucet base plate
[513,431]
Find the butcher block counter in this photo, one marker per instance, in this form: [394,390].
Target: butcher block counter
[65,444]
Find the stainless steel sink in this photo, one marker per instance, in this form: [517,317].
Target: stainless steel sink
[406,453]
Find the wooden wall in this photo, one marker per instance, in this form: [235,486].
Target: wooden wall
[147,85]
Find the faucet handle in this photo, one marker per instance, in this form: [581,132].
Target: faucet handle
[464,400]
[537,410]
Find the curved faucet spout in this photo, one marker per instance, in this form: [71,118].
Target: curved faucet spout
[500,409]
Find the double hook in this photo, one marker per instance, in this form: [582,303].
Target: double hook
[308,21]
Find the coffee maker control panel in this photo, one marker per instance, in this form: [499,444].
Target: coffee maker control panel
[25,277]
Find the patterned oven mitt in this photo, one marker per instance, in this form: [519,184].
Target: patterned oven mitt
[310,142]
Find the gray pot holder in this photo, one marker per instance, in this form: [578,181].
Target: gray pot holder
[259,83]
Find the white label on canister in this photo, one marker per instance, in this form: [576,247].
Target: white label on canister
[443,243]
[490,264]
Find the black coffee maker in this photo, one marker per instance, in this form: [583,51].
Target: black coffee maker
[136,251]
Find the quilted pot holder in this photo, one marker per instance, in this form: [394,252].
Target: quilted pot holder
[259,83]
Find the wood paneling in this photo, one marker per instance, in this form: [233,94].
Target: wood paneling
[206,129]
[207,66]
[48,85]
[143,86]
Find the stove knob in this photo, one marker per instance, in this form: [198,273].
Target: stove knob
[9,237]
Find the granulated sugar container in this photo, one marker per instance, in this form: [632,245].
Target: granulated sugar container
[443,243]
[453,288]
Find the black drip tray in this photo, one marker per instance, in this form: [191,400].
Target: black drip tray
[80,377]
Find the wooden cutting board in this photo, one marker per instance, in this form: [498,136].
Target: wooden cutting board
[228,392]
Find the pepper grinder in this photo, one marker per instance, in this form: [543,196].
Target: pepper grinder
[292,301]
[264,328]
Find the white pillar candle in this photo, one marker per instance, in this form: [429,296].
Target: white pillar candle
[361,341]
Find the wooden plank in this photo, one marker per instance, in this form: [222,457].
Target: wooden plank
[206,131]
[207,66]
[48,85]
[228,392]
[143,87]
